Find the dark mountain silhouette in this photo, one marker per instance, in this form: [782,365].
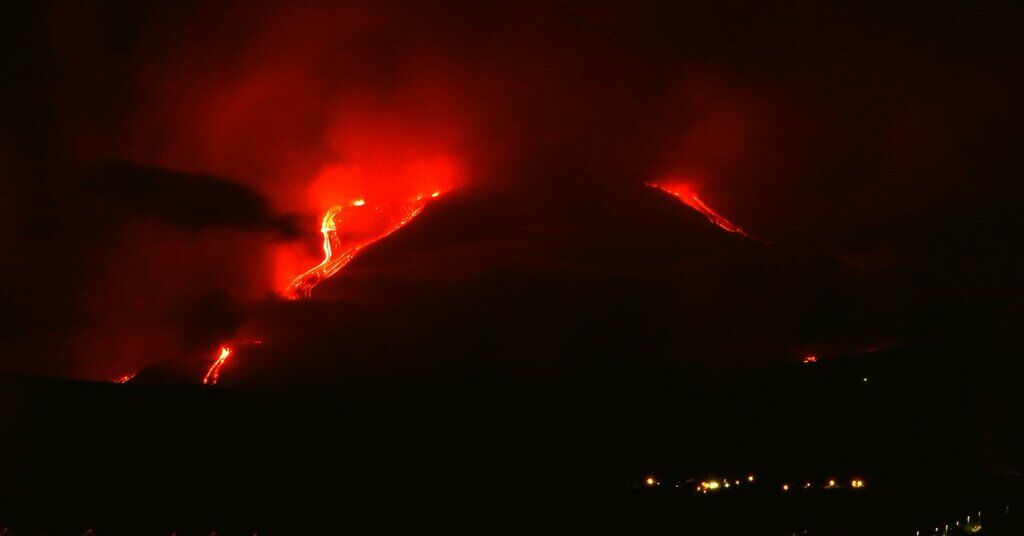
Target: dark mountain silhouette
[550,284]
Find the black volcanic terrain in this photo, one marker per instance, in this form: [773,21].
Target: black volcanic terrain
[511,352]
[164,458]
[554,284]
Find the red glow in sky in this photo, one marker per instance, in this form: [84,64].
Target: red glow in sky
[387,182]
[361,204]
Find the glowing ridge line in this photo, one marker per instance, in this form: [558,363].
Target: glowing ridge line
[693,201]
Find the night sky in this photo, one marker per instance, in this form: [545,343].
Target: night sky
[165,169]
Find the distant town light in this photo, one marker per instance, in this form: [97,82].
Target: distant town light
[650,481]
[750,478]
[785,487]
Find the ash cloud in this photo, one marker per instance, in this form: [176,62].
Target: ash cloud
[189,201]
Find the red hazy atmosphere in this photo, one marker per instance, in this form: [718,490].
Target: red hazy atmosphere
[300,109]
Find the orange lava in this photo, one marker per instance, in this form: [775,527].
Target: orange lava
[810,359]
[339,250]
[685,193]
[125,379]
[213,374]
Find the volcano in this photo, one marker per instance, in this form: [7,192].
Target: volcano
[550,284]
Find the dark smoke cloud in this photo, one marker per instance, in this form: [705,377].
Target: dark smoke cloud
[128,267]
[187,200]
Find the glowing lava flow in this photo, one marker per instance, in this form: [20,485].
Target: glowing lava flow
[213,374]
[125,379]
[339,250]
[337,253]
[685,193]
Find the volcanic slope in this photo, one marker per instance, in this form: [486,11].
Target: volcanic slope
[554,283]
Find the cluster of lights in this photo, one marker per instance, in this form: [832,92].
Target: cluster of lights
[856,483]
[704,486]
[716,484]
[712,485]
[971,525]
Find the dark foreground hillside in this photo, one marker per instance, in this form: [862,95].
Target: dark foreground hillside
[932,443]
